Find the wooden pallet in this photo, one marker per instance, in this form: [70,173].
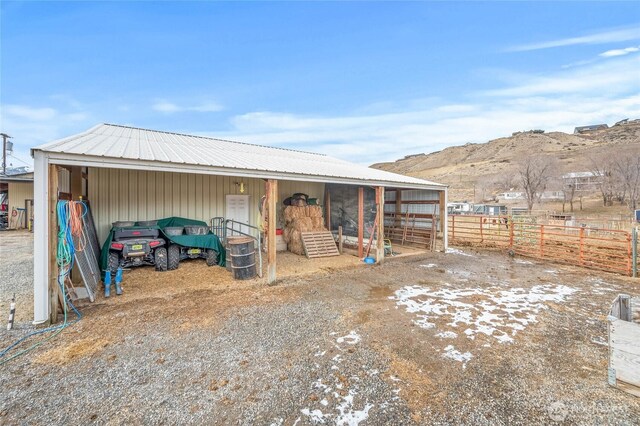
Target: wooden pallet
[319,244]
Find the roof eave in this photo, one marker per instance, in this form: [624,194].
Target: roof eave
[122,163]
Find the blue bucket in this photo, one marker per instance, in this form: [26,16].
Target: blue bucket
[369,260]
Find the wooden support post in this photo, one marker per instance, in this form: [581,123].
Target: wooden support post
[397,220]
[380,214]
[340,239]
[53,244]
[272,197]
[541,241]
[327,208]
[481,232]
[360,222]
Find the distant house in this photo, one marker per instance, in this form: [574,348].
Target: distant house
[509,196]
[622,122]
[582,181]
[552,196]
[589,129]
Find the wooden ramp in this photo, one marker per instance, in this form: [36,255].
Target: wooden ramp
[319,244]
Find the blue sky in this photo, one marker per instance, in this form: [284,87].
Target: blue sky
[361,81]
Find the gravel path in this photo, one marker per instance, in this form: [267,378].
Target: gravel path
[462,338]
[16,275]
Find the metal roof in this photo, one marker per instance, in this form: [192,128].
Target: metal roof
[126,144]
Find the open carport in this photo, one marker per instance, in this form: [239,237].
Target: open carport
[137,174]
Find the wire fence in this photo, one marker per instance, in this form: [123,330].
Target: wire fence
[594,248]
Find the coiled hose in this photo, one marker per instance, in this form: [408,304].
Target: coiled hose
[70,215]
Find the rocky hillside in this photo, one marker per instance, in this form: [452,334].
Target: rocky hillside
[486,168]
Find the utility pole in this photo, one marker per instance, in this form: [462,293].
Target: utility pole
[4,152]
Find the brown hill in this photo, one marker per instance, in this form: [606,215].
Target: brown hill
[487,168]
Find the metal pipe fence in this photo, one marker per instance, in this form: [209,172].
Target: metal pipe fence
[594,248]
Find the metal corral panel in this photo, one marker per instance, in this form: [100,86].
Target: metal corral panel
[119,194]
[121,144]
[19,192]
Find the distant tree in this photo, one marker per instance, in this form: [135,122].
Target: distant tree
[627,172]
[534,173]
[603,165]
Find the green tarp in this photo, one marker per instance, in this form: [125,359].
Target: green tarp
[209,241]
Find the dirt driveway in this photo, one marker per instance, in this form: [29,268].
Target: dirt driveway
[462,338]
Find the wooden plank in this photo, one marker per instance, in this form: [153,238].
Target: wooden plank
[327,208]
[340,242]
[625,336]
[319,244]
[360,221]
[627,387]
[272,197]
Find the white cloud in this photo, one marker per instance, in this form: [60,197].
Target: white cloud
[34,125]
[608,36]
[556,102]
[167,107]
[619,52]
[29,113]
[614,76]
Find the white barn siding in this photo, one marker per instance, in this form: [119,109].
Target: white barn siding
[120,194]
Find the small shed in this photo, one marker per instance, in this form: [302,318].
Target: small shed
[19,190]
[129,173]
[624,344]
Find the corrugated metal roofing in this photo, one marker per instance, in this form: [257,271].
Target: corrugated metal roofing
[122,142]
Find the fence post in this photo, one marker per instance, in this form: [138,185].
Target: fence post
[581,246]
[481,236]
[511,225]
[634,247]
[453,227]
[541,240]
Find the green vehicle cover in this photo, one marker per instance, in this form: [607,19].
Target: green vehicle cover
[209,241]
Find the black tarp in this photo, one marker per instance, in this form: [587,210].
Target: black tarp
[344,208]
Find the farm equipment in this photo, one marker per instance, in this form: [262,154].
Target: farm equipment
[186,248]
[136,246]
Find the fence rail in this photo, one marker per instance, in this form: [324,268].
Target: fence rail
[594,248]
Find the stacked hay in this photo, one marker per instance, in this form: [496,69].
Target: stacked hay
[299,219]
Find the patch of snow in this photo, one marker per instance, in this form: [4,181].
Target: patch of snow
[320,353]
[523,262]
[429,265]
[451,250]
[447,335]
[324,402]
[453,353]
[352,338]
[493,311]
[277,422]
[315,416]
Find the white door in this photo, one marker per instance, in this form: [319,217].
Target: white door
[237,209]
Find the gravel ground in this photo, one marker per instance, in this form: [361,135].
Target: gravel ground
[462,338]
[16,274]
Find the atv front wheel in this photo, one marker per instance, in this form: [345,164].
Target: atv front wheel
[173,256]
[113,262]
[212,257]
[160,258]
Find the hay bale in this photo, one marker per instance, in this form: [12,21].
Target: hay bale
[286,234]
[302,224]
[315,211]
[318,224]
[293,212]
[295,243]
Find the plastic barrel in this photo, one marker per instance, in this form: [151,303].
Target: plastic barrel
[241,256]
